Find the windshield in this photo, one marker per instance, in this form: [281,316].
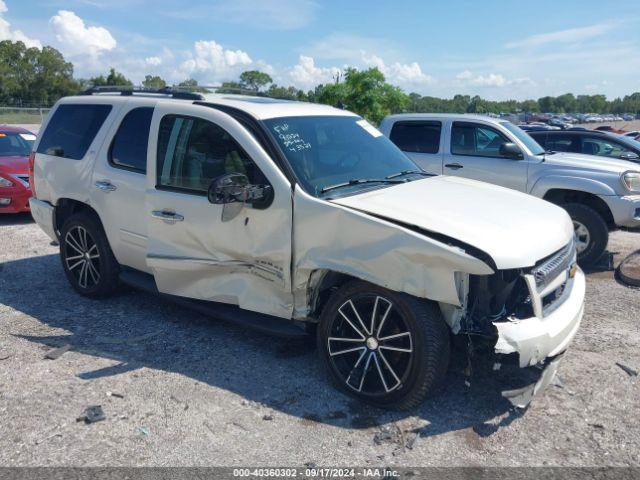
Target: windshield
[630,142]
[16,144]
[326,151]
[524,137]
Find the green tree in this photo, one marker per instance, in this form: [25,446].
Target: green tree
[192,85]
[365,92]
[254,80]
[230,87]
[30,76]
[114,79]
[153,81]
[547,104]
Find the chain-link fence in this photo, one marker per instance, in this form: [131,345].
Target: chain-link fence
[22,116]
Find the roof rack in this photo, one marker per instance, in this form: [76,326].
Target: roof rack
[187,92]
[174,92]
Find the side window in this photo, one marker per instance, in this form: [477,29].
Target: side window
[193,151]
[475,140]
[129,146]
[602,146]
[72,129]
[560,143]
[417,137]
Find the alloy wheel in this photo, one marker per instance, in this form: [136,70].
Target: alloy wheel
[370,345]
[82,257]
[582,235]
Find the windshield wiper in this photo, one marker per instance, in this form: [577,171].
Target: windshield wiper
[359,181]
[409,172]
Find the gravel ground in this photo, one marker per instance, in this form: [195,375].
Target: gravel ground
[181,389]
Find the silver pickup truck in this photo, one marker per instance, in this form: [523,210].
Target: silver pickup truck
[600,194]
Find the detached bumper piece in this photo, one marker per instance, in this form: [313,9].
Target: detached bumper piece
[521,397]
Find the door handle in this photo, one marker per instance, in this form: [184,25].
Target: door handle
[454,166]
[105,186]
[167,216]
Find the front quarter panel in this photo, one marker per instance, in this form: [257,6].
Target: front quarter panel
[568,181]
[334,238]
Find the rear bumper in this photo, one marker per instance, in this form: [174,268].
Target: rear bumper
[625,210]
[42,213]
[18,200]
[535,339]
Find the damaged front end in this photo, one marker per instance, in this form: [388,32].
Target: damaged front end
[527,316]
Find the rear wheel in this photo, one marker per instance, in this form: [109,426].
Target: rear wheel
[591,232]
[87,259]
[385,348]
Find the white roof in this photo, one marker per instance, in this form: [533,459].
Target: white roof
[264,107]
[446,116]
[258,107]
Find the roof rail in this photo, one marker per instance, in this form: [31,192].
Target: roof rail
[174,92]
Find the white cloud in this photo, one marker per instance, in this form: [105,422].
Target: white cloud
[75,38]
[305,74]
[214,62]
[564,36]
[7,33]
[490,80]
[405,75]
[153,61]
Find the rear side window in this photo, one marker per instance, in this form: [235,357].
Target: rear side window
[417,137]
[72,129]
[129,147]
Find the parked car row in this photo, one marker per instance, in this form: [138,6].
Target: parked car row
[297,218]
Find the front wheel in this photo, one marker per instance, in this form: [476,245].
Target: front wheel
[591,233]
[385,348]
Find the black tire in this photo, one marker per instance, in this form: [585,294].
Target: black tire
[627,270]
[598,232]
[100,273]
[418,372]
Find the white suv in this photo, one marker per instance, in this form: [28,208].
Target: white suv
[284,215]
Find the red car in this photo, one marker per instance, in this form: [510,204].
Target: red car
[15,147]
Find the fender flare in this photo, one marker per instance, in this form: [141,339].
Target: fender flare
[567,182]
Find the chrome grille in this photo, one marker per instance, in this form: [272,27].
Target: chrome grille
[552,267]
[548,281]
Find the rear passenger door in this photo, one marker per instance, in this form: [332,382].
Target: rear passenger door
[474,152]
[231,253]
[119,182]
[421,140]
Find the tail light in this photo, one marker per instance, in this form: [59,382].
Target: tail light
[32,164]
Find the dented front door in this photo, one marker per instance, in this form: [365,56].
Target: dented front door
[224,253]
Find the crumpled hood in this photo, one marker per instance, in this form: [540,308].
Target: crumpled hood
[591,163]
[515,229]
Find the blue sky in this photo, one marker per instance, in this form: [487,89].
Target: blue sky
[495,48]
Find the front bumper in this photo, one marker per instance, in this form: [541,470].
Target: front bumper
[42,213]
[625,210]
[18,198]
[535,339]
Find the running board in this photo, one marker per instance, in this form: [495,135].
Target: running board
[222,311]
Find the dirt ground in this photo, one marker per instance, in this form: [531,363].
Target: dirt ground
[181,389]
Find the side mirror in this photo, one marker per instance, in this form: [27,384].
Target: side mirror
[632,156]
[511,150]
[235,188]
